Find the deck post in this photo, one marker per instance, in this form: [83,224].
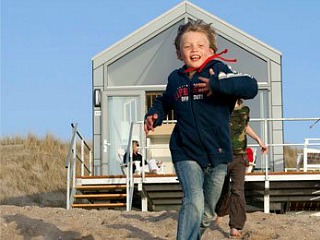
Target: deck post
[305,155]
[266,200]
[144,199]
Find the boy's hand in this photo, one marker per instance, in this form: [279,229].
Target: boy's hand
[149,122]
[205,85]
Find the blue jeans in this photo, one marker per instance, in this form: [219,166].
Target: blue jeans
[201,191]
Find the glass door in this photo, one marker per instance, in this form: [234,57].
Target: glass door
[118,112]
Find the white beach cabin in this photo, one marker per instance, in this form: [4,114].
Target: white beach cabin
[128,75]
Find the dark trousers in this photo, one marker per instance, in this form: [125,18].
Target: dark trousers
[232,200]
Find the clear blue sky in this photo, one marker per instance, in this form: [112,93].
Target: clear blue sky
[47,46]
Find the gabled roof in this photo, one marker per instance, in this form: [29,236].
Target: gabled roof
[180,12]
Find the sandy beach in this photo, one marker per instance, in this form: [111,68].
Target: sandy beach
[32,222]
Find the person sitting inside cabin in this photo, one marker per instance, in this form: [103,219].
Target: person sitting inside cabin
[149,166]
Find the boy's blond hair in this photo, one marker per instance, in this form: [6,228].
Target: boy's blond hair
[197,26]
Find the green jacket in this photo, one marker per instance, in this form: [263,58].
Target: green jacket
[238,122]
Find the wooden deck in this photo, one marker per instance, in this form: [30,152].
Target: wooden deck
[172,178]
[284,191]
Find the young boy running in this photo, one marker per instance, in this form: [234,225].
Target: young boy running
[203,94]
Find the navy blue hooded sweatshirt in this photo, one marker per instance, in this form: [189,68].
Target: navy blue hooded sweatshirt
[202,130]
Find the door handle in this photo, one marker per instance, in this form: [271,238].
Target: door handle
[106,144]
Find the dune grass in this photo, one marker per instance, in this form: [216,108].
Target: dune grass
[290,156]
[33,170]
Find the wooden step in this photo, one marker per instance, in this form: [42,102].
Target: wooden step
[101,176]
[124,176]
[101,187]
[165,195]
[97,205]
[162,187]
[105,196]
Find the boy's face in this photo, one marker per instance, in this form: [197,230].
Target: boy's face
[194,49]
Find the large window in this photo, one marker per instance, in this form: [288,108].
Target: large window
[151,97]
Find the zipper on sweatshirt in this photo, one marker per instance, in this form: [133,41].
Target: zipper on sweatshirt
[191,99]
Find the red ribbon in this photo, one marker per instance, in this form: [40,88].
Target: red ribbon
[218,55]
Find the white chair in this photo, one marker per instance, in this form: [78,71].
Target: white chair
[299,161]
[252,164]
[152,165]
[123,165]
